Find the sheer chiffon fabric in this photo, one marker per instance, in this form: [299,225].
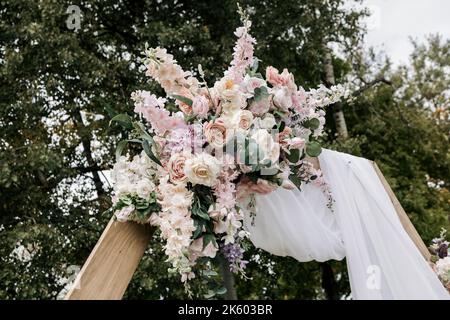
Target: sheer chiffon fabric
[382,261]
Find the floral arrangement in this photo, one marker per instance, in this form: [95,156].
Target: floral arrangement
[440,258]
[207,150]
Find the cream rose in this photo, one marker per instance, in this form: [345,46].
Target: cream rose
[215,133]
[226,89]
[243,120]
[265,141]
[175,166]
[268,122]
[202,169]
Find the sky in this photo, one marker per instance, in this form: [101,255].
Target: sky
[393,21]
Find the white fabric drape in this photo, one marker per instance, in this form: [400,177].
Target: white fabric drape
[382,261]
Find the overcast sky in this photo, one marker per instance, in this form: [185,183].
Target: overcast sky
[394,21]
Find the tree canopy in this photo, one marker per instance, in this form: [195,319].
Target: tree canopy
[60,88]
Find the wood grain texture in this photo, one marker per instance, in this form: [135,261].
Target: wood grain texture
[111,264]
[404,219]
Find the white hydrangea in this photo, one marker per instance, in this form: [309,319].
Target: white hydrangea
[134,177]
[443,269]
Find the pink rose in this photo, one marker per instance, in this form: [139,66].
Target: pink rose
[175,166]
[296,143]
[200,106]
[284,79]
[258,108]
[215,133]
[273,76]
[282,99]
[287,79]
[249,84]
[283,135]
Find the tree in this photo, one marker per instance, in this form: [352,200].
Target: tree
[404,126]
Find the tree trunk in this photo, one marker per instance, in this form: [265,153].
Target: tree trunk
[87,151]
[329,283]
[228,279]
[338,113]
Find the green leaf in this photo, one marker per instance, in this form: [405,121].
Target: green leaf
[142,132]
[208,238]
[313,149]
[149,152]
[295,180]
[209,273]
[183,99]
[221,291]
[255,65]
[198,228]
[120,147]
[294,155]
[312,124]
[260,93]
[210,294]
[124,120]
[110,111]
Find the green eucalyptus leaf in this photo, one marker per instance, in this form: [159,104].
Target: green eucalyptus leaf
[313,149]
[294,155]
[260,93]
[312,124]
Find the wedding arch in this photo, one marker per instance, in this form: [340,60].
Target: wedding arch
[114,259]
[224,163]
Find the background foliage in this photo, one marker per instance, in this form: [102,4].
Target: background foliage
[59,88]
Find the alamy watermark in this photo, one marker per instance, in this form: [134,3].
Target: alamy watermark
[73,21]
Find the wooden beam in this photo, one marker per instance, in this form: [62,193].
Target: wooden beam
[404,219]
[111,264]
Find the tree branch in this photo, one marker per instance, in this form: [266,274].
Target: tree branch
[370,85]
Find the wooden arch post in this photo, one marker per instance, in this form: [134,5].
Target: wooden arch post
[114,259]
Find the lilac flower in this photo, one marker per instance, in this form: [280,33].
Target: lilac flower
[234,254]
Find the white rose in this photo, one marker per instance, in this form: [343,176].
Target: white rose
[202,169]
[144,188]
[265,141]
[229,108]
[268,122]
